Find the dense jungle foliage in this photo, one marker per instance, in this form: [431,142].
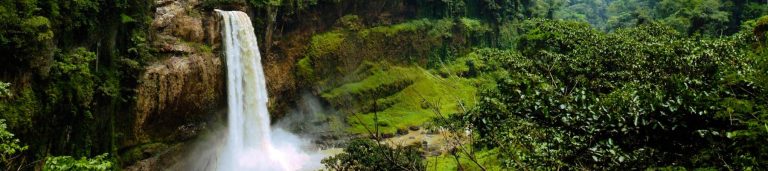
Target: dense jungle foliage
[598,85]
[539,84]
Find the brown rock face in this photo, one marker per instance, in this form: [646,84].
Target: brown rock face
[187,28]
[178,93]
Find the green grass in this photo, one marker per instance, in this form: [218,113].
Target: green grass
[379,75]
[487,158]
[408,106]
[402,93]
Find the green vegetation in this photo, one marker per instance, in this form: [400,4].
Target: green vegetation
[538,84]
[74,81]
[64,92]
[608,103]
[9,146]
[395,30]
[711,17]
[67,163]
[393,98]
[4,89]
[17,110]
[305,69]
[140,152]
[340,52]
[486,158]
[567,94]
[326,43]
[370,155]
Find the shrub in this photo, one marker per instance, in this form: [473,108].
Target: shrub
[5,90]
[67,163]
[9,146]
[365,154]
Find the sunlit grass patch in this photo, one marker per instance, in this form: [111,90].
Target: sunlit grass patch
[400,107]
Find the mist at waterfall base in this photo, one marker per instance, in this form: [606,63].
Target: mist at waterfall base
[296,132]
[248,142]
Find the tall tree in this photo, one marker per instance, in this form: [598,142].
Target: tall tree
[694,16]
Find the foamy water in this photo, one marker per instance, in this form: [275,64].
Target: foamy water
[250,143]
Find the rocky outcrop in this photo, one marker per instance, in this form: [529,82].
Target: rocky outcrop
[177,94]
[182,91]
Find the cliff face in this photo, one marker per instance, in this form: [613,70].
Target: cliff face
[187,86]
[293,30]
[185,89]
[177,94]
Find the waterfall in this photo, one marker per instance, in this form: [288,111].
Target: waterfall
[249,144]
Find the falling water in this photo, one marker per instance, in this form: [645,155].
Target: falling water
[249,144]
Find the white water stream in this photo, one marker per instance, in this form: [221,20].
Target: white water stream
[249,144]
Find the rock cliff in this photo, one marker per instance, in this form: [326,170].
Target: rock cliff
[179,92]
[183,90]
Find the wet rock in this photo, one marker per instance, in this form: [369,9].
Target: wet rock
[413,128]
[402,131]
[160,159]
[387,135]
[148,164]
[189,131]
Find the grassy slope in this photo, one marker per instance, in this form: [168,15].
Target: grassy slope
[406,107]
[403,93]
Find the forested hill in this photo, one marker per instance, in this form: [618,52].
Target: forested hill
[530,84]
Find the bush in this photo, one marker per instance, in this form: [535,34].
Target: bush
[67,163]
[365,154]
[9,146]
[18,110]
[5,90]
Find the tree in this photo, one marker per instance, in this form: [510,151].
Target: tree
[694,16]
[591,11]
[627,13]
[9,146]
[578,98]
